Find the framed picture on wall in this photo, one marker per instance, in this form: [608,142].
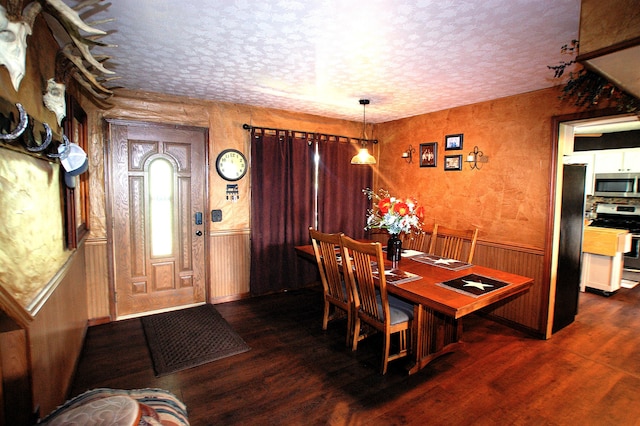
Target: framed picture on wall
[428,154]
[453,142]
[453,162]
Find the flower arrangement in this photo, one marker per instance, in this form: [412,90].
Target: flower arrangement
[393,214]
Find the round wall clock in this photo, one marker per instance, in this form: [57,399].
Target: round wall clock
[231,164]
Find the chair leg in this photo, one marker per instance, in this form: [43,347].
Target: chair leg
[403,342]
[325,318]
[385,353]
[356,333]
[349,327]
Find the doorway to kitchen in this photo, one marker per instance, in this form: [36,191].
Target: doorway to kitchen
[570,129]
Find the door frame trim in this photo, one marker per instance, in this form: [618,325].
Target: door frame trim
[555,195]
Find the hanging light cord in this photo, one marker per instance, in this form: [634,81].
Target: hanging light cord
[364,103]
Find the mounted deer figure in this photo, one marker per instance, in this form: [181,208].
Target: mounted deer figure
[66,25]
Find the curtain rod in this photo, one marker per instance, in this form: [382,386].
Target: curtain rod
[249,127]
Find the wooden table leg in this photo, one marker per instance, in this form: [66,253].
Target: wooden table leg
[436,334]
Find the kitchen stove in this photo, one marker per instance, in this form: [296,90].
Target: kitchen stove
[622,216]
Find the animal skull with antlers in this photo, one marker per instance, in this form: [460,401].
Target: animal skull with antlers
[13,46]
[66,25]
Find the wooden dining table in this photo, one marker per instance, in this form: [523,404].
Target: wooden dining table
[439,308]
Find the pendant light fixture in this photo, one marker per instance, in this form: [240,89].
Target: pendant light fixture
[363,157]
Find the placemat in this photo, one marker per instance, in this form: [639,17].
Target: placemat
[473,285]
[441,262]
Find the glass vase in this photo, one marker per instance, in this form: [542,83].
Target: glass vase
[394,248]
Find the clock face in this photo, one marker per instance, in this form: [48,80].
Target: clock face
[231,164]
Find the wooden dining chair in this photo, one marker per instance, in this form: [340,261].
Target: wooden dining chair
[453,243]
[373,305]
[416,239]
[336,293]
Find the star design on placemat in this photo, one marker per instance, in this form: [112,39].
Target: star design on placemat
[444,261]
[476,284]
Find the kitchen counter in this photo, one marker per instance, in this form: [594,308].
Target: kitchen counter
[602,259]
[605,241]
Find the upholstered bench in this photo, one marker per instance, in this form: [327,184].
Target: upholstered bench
[120,407]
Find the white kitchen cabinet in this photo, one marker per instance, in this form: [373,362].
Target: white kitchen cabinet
[631,161]
[586,158]
[617,161]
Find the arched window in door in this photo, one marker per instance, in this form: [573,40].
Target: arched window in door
[161,207]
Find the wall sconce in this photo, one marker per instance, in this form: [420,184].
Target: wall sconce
[475,158]
[408,154]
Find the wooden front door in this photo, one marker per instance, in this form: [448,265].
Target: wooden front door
[157,199]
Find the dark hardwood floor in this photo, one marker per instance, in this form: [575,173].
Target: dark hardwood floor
[588,373]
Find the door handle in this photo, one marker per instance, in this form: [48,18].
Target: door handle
[199,233]
[198,218]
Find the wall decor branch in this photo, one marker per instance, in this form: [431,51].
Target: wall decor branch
[587,88]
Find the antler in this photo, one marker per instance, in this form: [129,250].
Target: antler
[72,17]
[66,24]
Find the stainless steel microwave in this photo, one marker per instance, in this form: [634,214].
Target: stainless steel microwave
[617,185]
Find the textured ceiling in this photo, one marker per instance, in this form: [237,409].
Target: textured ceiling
[321,56]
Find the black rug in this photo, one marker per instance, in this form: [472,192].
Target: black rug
[189,337]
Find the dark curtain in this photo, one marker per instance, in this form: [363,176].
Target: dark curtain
[281,211]
[342,206]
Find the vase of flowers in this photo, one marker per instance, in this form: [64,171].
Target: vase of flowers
[394,214]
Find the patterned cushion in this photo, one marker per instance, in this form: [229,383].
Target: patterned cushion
[157,406]
[114,410]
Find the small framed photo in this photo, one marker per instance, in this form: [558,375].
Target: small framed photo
[453,142]
[453,162]
[428,154]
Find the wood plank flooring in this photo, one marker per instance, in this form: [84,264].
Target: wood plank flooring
[295,374]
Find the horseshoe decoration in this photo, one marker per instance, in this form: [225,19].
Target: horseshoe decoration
[65,151]
[20,128]
[45,143]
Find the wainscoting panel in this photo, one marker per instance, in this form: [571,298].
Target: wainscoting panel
[57,334]
[230,256]
[529,309]
[97,279]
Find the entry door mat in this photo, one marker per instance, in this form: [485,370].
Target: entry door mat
[189,337]
[473,285]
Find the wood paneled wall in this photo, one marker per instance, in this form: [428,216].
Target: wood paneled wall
[230,257]
[15,384]
[98,303]
[529,309]
[57,334]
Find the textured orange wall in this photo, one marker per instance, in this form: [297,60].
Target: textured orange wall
[508,198]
